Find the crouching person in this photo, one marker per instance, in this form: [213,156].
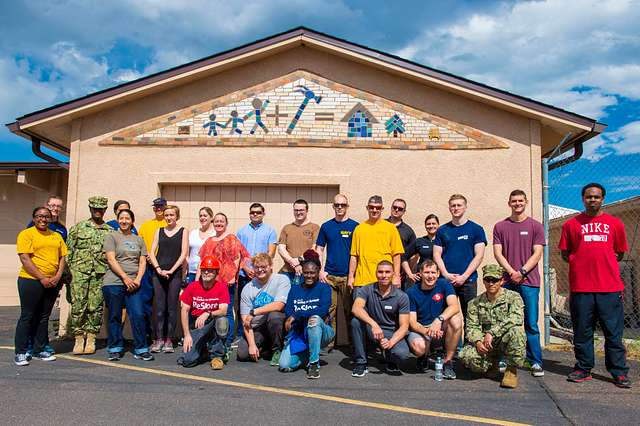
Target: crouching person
[204,322]
[261,305]
[381,316]
[495,329]
[435,318]
[307,312]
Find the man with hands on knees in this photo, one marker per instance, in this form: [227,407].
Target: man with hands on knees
[495,329]
[204,322]
[380,315]
[261,307]
[435,318]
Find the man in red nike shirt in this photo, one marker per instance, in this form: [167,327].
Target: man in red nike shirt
[593,243]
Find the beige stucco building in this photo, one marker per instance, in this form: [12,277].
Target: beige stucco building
[368,123]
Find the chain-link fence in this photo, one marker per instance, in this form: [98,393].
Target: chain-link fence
[622,183]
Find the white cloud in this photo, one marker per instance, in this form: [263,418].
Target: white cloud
[531,48]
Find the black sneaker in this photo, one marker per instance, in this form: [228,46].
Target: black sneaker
[622,382]
[114,356]
[422,364]
[145,356]
[448,372]
[360,370]
[313,371]
[392,368]
[579,376]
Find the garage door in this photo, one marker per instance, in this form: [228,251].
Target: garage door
[234,201]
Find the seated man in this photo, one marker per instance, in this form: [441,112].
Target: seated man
[307,312]
[435,318]
[204,322]
[495,328]
[380,315]
[261,305]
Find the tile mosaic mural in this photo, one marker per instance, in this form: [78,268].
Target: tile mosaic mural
[303,109]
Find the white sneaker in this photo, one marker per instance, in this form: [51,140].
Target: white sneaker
[537,371]
[21,360]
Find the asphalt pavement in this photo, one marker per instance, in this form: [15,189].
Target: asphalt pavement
[89,390]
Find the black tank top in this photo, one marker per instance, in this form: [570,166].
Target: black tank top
[169,249]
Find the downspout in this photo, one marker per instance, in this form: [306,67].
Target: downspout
[545,223]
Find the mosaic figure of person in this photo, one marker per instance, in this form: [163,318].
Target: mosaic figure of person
[88,264]
[495,328]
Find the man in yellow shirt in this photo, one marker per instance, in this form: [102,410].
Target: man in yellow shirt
[374,240]
[147,232]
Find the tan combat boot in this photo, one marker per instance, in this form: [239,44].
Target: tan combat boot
[90,347]
[78,348]
[510,379]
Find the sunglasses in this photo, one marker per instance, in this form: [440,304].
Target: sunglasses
[490,280]
[398,208]
[375,208]
[256,213]
[340,205]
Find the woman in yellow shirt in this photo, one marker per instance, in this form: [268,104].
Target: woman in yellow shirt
[41,252]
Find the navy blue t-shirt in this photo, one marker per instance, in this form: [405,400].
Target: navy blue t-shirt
[303,302]
[336,238]
[428,304]
[116,226]
[55,227]
[457,244]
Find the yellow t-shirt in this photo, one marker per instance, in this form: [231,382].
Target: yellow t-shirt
[46,248]
[148,230]
[373,243]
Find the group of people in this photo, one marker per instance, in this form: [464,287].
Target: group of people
[370,285]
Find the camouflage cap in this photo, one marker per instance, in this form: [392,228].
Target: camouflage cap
[492,271]
[98,202]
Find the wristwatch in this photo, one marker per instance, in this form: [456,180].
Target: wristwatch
[523,271]
[441,318]
[252,313]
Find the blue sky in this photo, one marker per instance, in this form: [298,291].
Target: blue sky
[583,56]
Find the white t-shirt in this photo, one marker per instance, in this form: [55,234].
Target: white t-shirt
[195,242]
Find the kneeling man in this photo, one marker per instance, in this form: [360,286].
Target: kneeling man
[380,315]
[434,319]
[204,322]
[261,308]
[495,328]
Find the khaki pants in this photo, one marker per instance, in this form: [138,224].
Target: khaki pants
[340,309]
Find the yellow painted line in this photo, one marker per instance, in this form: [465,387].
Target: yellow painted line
[294,393]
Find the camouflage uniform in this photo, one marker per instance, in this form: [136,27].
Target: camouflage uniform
[88,264]
[503,319]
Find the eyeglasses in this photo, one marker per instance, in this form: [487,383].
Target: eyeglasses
[41,216]
[54,206]
[260,268]
[375,208]
[491,280]
[398,208]
[255,213]
[208,271]
[340,205]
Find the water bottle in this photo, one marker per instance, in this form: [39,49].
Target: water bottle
[438,377]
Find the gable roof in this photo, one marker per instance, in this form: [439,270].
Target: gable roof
[300,36]
[362,109]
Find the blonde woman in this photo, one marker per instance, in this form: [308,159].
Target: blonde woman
[168,253]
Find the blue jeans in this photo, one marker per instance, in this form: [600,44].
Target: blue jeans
[230,314]
[146,290]
[191,276]
[319,333]
[530,298]
[209,337]
[116,297]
